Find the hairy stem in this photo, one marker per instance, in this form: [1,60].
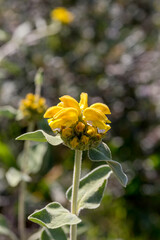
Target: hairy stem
[75,187]
[22,189]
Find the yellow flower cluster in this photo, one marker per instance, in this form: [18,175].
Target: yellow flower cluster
[32,107]
[62,15]
[81,127]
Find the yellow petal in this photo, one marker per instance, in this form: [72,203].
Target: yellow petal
[93,114]
[60,123]
[56,123]
[101,125]
[61,104]
[50,120]
[68,101]
[91,130]
[70,114]
[52,111]
[102,107]
[83,101]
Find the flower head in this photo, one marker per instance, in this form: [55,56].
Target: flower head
[81,127]
[32,107]
[62,14]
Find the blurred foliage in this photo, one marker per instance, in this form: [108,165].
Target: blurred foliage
[110,51]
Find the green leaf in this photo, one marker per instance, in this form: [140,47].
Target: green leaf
[33,158]
[53,234]
[4,230]
[8,111]
[54,216]
[101,153]
[14,177]
[41,136]
[118,171]
[91,188]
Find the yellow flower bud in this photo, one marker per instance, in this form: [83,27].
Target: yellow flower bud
[80,127]
[91,131]
[30,96]
[74,142]
[98,136]
[40,110]
[66,132]
[62,14]
[84,139]
[42,101]
[27,103]
[32,107]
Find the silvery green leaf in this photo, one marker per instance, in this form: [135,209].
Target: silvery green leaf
[14,177]
[33,158]
[118,171]
[102,153]
[54,216]
[53,234]
[8,111]
[41,136]
[91,188]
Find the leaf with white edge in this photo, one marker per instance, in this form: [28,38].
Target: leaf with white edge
[53,234]
[118,171]
[4,230]
[101,153]
[54,216]
[41,136]
[8,111]
[91,188]
[33,158]
[14,177]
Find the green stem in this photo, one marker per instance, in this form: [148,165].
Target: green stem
[22,190]
[21,212]
[38,83]
[76,178]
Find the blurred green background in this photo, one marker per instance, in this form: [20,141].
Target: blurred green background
[110,51]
